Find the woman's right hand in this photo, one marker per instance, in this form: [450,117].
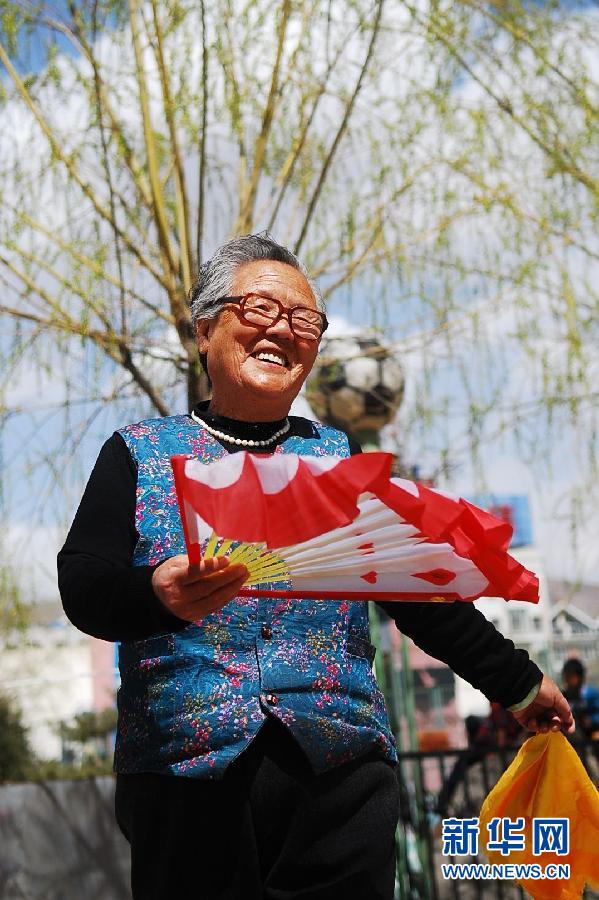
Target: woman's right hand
[192,592]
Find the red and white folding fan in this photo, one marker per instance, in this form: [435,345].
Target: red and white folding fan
[331,528]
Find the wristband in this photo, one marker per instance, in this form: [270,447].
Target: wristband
[517,707]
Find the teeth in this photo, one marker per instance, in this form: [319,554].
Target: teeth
[272,357]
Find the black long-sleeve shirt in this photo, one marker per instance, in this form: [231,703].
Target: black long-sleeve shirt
[105,596]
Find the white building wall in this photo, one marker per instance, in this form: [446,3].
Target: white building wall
[47,673]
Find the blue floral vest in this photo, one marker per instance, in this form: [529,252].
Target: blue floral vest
[191,701]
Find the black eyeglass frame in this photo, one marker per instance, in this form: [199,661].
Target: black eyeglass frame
[284,311]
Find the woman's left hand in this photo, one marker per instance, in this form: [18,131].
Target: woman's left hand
[549,711]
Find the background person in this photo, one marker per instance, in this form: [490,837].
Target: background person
[254,756]
[584,703]
[583,698]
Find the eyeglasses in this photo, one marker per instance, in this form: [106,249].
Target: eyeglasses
[304,322]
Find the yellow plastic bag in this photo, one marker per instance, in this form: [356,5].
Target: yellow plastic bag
[548,780]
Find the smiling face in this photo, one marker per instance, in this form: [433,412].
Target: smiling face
[256,373]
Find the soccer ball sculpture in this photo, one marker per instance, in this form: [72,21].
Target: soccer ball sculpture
[356,384]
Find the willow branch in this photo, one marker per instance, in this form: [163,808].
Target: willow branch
[227,61]
[108,176]
[123,356]
[358,261]
[288,167]
[204,120]
[94,267]
[248,198]
[508,200]
[131,213]
[158,205]
[400,248]
[35,289]
[78,39]
[112,345]
[181,202]
[115,346]
[373,229]
[61,279]
[557,152]
[521,36]
[73,172]
[341,130]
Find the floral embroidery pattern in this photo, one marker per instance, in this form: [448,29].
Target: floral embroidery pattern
[191,701]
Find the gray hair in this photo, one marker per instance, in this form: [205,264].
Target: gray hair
[215,278]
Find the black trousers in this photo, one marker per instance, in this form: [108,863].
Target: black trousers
[269,830]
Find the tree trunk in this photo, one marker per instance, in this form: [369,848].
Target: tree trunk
[198,386]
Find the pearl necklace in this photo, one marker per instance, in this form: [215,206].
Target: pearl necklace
[241,442]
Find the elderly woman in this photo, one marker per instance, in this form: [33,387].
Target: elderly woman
[254,755]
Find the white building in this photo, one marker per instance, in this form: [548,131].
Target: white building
[52,672]
[575,621]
